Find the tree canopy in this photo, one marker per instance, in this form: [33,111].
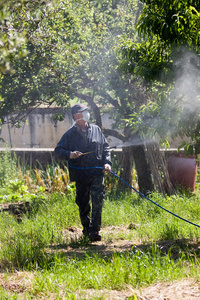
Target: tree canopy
[70,54]
[166,54]
[166,29]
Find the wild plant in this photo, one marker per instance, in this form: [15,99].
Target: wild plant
[8,169]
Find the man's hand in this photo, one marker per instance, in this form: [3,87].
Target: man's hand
[75,154]
[107,168]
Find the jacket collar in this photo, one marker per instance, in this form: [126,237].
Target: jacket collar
[79,129]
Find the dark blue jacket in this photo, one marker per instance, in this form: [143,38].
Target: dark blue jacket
[95,141]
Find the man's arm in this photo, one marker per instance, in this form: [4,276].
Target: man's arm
[62,151]
[106,155]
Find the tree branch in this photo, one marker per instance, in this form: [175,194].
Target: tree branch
[114,133]
[112,101]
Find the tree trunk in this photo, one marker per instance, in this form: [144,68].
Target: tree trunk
[129,156]
[127,166]
[143,170]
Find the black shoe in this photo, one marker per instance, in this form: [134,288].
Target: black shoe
[95,237]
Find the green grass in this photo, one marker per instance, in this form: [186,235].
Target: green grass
[154,246]
[24,246]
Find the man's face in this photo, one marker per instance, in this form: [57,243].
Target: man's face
[82,117]
[78,115]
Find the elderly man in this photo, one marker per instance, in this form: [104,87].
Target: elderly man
[87,151]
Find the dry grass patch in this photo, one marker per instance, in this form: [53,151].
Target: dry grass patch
[187,289]
[19,282]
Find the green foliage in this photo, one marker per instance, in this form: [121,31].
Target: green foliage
[167,56]
[35,78]
[12,41]
[149,59]
[7,168]
[70,55]
[12,188]
[175,22]
[41,243]
[165,27]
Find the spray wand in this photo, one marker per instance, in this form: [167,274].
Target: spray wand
[85,153]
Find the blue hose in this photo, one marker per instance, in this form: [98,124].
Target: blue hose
[175,215]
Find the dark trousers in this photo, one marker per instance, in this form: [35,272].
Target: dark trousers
[94,187]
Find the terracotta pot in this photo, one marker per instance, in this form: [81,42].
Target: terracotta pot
[182,171]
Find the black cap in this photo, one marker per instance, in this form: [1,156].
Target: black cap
[78,107]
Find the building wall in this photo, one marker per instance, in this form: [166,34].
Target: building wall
[41,131]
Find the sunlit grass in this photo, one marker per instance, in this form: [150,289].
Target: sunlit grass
[161,247]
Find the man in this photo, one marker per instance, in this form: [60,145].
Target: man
[87,152]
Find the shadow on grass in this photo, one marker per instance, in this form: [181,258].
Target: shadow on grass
[75,246]
[79,248]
